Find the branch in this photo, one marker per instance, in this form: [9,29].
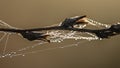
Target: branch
[67,24]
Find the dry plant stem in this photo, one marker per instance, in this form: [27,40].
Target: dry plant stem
[100,31]
[67,24]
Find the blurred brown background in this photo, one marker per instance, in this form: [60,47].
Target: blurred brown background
[39,13]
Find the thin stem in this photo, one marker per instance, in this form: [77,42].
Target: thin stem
[46,28]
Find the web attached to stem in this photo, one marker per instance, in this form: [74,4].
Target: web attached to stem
[56,36]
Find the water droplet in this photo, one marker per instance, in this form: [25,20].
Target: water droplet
[23,55]
[100,38]
[61,47]
[3,56]
[59,41]
[76,38]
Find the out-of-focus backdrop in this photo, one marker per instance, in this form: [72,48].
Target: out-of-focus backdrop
[40,13]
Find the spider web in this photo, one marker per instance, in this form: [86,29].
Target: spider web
[56,36]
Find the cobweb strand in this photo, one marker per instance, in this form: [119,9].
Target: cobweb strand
[55,36]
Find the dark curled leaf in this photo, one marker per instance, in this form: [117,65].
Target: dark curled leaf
[106,33]
[70,22]
[115,28]
[31,36]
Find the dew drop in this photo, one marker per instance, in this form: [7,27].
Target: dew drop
[23,55]
[3,56]
[61,47]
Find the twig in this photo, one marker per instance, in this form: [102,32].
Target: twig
[68,24]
